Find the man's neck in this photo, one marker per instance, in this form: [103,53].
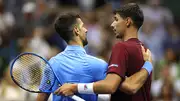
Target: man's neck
[75,43]
[131,33]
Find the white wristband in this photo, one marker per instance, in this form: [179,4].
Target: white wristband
[85,88]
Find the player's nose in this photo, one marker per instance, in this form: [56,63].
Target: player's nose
[112,26]
[85,30]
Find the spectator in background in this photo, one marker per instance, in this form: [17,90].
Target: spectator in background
[167,89]
[161,36]
[173,40]
[108,42]
[94,34]
[153,31]
[86,5]
[167,75]
[38,45]
[9,91]
[28,24]
[6,18]
[15,6]
[7,22]
[49,33]
[167,70]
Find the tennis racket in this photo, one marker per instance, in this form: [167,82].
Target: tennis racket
[34,74]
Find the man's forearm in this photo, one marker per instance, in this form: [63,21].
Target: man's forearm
[133,83]
[102,87]
[106,86]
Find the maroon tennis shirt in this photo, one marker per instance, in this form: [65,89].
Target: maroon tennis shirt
[127,59]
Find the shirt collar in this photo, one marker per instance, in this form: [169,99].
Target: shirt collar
[75,48]
[133,39]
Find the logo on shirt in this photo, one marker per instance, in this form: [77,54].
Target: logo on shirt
[113,65]
[85,87]
[48,82]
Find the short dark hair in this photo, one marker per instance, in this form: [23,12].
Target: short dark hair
[64,25]
[133,11]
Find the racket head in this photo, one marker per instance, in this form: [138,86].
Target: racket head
[34,82]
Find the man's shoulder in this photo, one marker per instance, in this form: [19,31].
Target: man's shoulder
[94,61]
[56,57]
[120,45]
[59,55]
[123,43]
[126,44]
[92,58]
[97,65]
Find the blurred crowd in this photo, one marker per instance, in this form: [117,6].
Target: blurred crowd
[27,26]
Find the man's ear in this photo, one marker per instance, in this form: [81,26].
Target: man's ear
[76,30]
[128,21]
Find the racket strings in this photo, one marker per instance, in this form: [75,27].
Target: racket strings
[33,73]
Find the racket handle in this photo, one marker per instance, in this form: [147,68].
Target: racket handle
[76,98]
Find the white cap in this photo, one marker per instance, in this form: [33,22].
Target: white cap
[29,7]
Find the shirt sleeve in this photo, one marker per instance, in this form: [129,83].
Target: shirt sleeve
[118,60]
[99,71]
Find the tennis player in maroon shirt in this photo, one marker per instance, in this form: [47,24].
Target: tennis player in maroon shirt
[129,76]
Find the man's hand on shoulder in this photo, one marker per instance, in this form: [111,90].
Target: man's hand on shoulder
[146,54]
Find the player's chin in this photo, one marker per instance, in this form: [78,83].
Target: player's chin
[118,36]
[85,42]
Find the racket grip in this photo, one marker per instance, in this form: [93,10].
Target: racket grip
[76,98]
